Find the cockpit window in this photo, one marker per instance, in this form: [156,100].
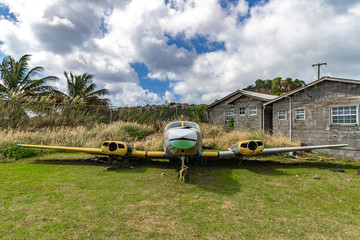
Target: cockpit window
[192,125]
[182,124]
[172,125]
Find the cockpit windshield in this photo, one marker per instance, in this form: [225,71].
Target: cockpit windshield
[182,124]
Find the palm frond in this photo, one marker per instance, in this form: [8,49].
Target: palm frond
[82,87]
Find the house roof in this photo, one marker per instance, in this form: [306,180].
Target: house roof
[239,93]
[326,78]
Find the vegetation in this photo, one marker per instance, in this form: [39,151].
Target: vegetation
[64,196]
[142,136]
[20,85]
[10,150]
[136,132]
[27,100]
[82,89]
[230,123]
[277,86]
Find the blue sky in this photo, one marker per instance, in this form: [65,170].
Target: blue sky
[155,51]
[4,11]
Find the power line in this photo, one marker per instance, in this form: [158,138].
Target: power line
[330,72]
[318,65]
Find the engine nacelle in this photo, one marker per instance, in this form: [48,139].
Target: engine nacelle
[117,148]
[248,147]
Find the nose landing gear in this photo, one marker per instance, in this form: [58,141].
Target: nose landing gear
[183,175]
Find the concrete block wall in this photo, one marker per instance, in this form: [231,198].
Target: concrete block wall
[248,121]
[317,129]
[216,114]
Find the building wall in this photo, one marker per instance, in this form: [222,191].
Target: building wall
[248,121]
[216,114]
[316,128]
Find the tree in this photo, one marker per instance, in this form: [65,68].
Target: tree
[22,83]
[275,89]
[82,89]
[298,83]
[259,83]
[19,86]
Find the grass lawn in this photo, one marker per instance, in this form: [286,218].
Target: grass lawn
[64,196]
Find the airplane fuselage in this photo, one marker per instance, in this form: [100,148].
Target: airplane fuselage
[182,139]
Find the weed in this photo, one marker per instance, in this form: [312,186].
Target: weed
[136,132]
[10,150]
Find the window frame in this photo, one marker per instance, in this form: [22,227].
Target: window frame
[296,115]
[252,114]
[278,115]
[240,114]
[344,115]
[226,115]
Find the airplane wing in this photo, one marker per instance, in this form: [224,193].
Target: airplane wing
[108,148]
[303,148]
[96,151]
[240,149]
[256,147]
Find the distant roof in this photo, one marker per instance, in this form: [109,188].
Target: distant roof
[239,93]
[326,78]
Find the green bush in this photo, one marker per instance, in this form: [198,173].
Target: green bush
[12,151]
[230,123]
[136,132]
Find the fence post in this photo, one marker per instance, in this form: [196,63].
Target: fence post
[110,114]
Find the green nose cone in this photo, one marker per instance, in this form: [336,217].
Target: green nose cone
[182,144]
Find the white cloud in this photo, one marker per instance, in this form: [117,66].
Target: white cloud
[277,38]
[169,97]
[131,94]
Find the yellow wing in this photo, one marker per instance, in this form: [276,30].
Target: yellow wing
[96,151]
[109,148]
[256,147]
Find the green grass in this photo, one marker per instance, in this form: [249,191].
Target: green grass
[12,151]
[65,196]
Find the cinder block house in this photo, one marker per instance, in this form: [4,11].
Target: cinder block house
[246,108]
[325,111]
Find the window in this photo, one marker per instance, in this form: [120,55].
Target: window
[252,110]
[281,115]
[229,114]
[183,124]
[173,125]
[242,111]
[300,114]
[344,115]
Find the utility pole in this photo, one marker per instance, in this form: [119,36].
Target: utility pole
[111,110]
[318,65]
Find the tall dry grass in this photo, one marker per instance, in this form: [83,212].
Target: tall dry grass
[214,136]
[219,138]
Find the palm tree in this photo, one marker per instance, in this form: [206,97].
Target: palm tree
[21,83]
[82,89]
[18,86]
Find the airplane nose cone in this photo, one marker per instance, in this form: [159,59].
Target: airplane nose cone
[182,138]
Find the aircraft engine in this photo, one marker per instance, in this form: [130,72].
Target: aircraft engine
[117,148]
[248,147]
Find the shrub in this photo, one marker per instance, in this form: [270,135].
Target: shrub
[10,150]
[136,132]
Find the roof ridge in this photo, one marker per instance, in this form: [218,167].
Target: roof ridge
[325,78]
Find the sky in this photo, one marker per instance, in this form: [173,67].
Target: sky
[193,51]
